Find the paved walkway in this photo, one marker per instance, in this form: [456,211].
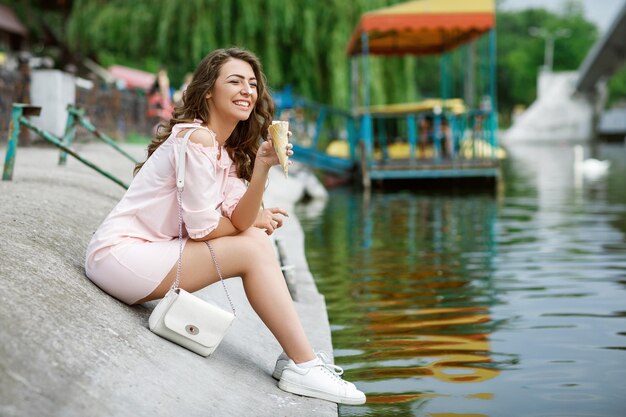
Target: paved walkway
[68,349]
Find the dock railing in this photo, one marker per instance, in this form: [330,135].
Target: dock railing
[315,127]
[19,117]
[433,138]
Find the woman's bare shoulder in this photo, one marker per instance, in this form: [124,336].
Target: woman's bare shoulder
[200,136]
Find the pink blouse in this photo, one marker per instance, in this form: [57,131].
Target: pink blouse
[148,212]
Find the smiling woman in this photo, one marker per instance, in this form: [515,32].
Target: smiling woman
[234,95]
[225,112]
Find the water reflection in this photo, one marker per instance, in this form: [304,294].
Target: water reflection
[408,285]
[468,305]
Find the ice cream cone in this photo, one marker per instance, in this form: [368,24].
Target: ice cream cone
[278,134]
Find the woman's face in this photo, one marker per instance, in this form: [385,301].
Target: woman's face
[234,94]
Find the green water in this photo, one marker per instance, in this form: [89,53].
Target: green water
[510,303]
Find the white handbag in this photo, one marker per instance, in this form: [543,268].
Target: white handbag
[181,317]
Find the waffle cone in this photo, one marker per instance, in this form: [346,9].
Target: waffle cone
[278,133]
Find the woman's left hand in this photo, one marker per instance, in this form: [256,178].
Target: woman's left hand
[267,154]
[270,219]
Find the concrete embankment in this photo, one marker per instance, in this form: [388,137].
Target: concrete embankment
[68,349]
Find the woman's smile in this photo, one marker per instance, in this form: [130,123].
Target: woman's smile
[243,104]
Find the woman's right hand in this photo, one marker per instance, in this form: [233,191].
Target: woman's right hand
[267,154]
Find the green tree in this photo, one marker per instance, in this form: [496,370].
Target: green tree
[520,56]
[617,88]
[302,44]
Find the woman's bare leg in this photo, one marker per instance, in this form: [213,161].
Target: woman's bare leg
[251,256]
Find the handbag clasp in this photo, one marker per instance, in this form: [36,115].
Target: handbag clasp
[191,329]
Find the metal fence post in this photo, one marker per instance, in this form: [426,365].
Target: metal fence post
[68,136]
[14,135]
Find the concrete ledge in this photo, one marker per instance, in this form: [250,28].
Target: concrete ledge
[68,349]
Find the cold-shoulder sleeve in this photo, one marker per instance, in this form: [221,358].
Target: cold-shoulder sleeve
[201,192]
[235,189]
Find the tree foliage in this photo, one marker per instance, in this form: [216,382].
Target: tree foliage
[302,44]
[617,88]
[520,55]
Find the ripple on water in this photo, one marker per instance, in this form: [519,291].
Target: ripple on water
[448,305]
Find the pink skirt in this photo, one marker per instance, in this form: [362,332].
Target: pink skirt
[130,272]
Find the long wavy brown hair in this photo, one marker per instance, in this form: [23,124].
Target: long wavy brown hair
[244,141]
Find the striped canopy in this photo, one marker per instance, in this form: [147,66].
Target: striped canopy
[422,27]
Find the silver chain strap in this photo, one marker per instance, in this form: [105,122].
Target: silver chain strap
[232,306]
[179,267]
[180,239]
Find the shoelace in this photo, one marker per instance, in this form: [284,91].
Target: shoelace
[337,370]
[326,363]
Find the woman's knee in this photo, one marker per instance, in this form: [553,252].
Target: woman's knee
[248,248]
[258,238]
[257,248]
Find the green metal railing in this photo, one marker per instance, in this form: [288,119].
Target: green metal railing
[19,114]
[77,116]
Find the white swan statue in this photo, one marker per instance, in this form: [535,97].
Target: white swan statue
[589,168]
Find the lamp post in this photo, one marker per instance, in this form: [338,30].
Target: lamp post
[550,37]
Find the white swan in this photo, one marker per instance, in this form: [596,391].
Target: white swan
[589,168]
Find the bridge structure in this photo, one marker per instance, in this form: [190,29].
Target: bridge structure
[606,57]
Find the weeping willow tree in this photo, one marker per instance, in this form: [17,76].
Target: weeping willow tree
[302,43]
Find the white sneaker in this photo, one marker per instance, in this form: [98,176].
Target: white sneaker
[320,381]
[283,359]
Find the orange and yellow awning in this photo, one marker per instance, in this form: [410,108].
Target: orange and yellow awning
[423,27]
